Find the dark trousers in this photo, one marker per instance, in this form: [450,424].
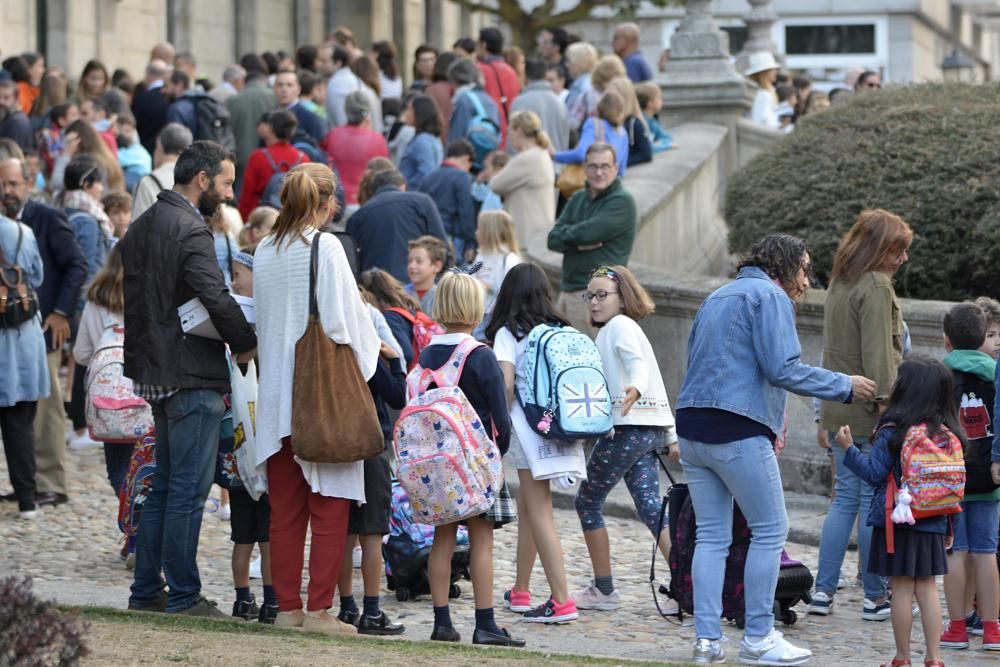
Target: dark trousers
[17,424]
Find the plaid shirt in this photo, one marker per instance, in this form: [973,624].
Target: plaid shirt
[153,393]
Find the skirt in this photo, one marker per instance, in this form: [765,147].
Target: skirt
[504,510]
[917,554]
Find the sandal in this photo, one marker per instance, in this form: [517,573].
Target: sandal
[896,662]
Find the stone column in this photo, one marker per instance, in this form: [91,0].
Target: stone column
[700,83]
[758,21]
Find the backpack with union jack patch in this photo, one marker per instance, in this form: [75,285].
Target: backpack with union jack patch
[562,389]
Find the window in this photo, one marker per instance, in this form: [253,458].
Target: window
[738,36]
[829,39]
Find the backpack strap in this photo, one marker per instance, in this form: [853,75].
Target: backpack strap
[448,374]
[156,180]
[890,496]
[404,313]
[503,95]
[477,104]
[270,158]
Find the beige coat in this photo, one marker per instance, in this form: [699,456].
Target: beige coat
[527,185]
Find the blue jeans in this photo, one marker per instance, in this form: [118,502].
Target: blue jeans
[853,496]
[187,446]
[745,471]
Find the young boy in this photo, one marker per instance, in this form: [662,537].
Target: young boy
[450,186]
[991,309]
[118,206]
[427,256]
[250,520]
[486,199]
[975,527]
[650,101]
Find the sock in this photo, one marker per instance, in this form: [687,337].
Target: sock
[605,584]
[347,603]
[371,605]
[442,617]
[270,597]
[243,594]
[486,621]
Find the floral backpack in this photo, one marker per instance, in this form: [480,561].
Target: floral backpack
[444,458]
[136,487]
[114,412]
[424,328]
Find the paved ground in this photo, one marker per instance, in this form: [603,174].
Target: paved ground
[72,552]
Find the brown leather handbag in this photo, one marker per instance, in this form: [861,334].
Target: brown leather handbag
[333,413]
[573,177]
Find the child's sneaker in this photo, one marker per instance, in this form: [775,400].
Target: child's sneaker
[708,651]
[955,635]
[974,624]
[772,650]
[553,612]
[268,613]
[246,609]
[821,605]
[517,601]
[991,636]
[873,610]
[592,598]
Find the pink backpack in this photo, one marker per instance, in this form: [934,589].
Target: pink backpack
[445,460]
[114,413]
[424,328]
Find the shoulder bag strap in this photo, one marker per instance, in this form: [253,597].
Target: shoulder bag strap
[157,181]
[503,95]
[20,237]
[229,253]
[313,270]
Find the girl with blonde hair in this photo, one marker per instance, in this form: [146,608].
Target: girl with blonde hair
[606,128]
[303,493]
[498,252]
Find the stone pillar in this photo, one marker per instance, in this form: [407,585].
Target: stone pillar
[246,27]
[700,83]
[758,21]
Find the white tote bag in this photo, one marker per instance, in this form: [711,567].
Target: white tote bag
[548,458]
[244,399]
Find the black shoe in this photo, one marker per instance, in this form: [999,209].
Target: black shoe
[379,625]
[246,609]
[349,616]
[159,606]
[8,497]
[205,608]
[488,638]
[268,612]
[445,633]
[50,498]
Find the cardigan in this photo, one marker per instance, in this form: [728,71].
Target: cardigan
[527,186]
[628,360]
[281,299]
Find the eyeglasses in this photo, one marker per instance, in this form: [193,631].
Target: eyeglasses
[600,295]
[600,167]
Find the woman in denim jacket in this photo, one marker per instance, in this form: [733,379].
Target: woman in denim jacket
[743,356]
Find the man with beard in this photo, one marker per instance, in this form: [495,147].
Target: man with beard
[169,259]
[65,268]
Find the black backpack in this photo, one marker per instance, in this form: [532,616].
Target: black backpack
[214,122]
[272,191]
[18,301]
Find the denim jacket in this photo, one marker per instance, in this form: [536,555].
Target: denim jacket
[743,354]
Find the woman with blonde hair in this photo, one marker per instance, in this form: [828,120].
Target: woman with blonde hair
[607,68]
[303,493]
[640,150]
[526,182]
[581,100]
[82,139]
[862,335]
[606,128]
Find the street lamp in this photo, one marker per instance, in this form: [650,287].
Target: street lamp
[958,67]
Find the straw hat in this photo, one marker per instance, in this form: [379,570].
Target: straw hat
[760,62]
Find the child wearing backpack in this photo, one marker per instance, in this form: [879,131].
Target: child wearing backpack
[920,424]
[425,261]
[410,326]
[973,555]
[643,422]
[523,303]
[499,253]
[459,307]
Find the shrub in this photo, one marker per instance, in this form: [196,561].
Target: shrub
[33,632]
[929,153]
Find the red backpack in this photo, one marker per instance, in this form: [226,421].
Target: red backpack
[424,328]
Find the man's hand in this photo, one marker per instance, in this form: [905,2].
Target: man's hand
[59,326]
[631,396]
[246,357]
[863,388]
[995,471]
[591,246]
[387,352]
[674,451]
[823,438]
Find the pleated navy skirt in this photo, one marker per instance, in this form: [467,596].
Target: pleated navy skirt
[917,554]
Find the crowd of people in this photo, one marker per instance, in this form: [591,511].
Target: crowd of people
[391,219]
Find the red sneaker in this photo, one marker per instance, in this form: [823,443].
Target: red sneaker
[955,636]
[991,636]
[517,601]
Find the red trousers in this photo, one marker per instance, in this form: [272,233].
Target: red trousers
[293,507]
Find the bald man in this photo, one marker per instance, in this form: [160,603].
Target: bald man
[625,43]
[164,51]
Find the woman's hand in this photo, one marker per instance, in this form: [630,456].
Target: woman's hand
[387,352]
[674,452]
[822,438]
[844,438]
[631,396]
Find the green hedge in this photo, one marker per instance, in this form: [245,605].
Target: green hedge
[929,153]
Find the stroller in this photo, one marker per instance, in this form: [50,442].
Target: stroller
[407,546]
[795,581]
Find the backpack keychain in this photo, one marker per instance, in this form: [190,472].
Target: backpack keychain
[902,512]
[545,423]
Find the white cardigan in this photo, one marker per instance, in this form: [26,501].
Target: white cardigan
[628,359]
[281,299]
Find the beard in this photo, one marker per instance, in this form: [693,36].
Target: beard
[208,203]
[11,206]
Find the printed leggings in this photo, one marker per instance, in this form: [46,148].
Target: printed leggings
[631,454]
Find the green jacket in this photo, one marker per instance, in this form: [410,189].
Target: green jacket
[862,335]
[245,109]
[609,219]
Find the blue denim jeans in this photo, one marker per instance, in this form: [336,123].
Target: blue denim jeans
[854,496]
[187,446]
[745,471]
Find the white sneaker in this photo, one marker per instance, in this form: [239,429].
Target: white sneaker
[225,513]
[708,651]
[28,514]
[592,598]
[772,650]
[356,557]
[876,611]
[255,568]
[83,441]
[821,605]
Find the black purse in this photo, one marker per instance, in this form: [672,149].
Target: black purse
[18,302]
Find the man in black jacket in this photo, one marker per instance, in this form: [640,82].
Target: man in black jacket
[65,270]
[149,106]
[169,259]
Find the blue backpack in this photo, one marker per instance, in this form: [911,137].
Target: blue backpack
[562,389]
[482,132]
[272,191]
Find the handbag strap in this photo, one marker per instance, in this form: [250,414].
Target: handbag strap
[17,248]
[313,269]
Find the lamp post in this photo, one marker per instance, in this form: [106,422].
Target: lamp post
[958,67]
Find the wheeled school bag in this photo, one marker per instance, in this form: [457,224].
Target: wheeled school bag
[795,581]
[562,389]
[407,546]
[136,488]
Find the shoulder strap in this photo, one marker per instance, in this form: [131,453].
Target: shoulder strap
[503,95]
[229,253]
[449,374]
[404,313]
[480,111]
[313,270]
[599,129]
[157,181]
[20,237]
[270,159]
